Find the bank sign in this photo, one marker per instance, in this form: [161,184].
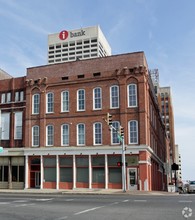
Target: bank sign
[63,35]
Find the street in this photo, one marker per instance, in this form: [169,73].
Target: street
[96,207]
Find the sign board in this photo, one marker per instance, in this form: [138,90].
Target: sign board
[175,166]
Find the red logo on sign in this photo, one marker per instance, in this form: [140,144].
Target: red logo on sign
[63,35]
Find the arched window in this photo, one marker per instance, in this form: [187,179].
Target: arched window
[97,98]
[35,136]
[132,95]
[50,135]
[81,100]
[35,103]
[65,135]
[133,132]
[65,101]
[50,102]
[114,96]
[97,130]
[81,134]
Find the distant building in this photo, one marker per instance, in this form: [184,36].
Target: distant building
[178,161]
[83,43]
[4,75]
[166,107]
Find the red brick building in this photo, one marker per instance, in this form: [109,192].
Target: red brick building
[69,145]
[13,107]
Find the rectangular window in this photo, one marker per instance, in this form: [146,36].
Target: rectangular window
[115,173]
[18,173]
[114,96]
[50,102]
[98,170]
[133,132]
[97,133]
[36,103]
[66,174]
[18,126]
[50,135]
[81,100]
[65,101]
[4,162]
[65,135]
[17,168]
[16,96]
[97,98]
[35,136]
[3,98]
[21,95]
[80,134]
[132,95]
[9,97]
[5,126]
[66,169]
[49,164]
[82,168]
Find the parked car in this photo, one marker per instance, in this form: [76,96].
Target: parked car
[191,186]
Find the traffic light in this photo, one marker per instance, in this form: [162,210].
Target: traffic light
[109,119]
[119,164]
[121,131]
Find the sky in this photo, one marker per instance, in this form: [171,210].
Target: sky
[164,30]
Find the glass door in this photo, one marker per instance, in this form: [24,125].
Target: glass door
[132,178]
[37,179]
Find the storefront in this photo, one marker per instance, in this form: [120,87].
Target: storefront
[12,172]
[99,168]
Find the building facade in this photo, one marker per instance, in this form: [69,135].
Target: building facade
[167,114]
[13,108]
[84,43]
[69,145]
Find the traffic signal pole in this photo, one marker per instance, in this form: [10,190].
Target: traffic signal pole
[120,132]
[123,166]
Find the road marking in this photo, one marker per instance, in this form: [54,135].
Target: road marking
[23,205]
[17,201]
[88,210]
[125,200]
[69,200]
[114,203]
[140,200]
[184,201]
[4,203]
[44,200]
[61,218]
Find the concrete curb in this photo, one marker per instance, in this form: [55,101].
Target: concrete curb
[87,192]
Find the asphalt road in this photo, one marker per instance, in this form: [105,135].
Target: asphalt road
[96,207]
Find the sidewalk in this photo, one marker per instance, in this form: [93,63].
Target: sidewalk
[86,191]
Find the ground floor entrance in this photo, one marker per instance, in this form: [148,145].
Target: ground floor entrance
[132,179]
